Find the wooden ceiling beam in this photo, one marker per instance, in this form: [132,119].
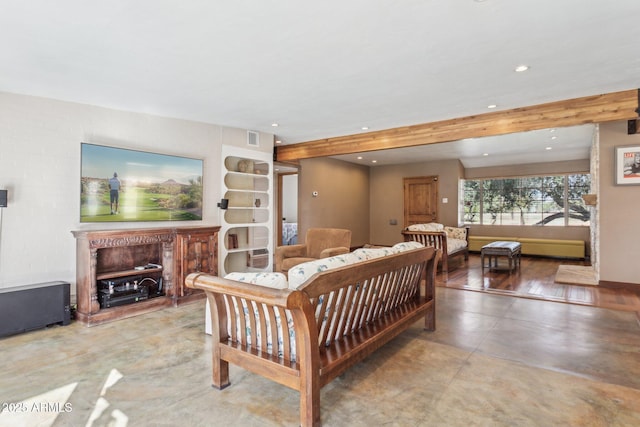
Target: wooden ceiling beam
[590,109]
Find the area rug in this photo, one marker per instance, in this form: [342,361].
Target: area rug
[576,275]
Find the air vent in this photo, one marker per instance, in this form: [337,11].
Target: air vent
[253,138]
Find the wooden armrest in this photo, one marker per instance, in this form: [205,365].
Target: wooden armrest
[421,232]
[258,293]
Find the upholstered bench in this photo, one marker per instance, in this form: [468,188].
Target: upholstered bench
[493,250]
[560,248]
[328,315]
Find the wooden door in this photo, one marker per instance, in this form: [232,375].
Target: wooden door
[420,200]
[197,252]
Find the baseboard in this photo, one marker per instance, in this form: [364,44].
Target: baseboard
[619,285]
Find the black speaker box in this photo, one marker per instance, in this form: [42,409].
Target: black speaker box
[3,198]
[25,308]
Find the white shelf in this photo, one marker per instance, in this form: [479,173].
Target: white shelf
[246,249]
[252,175]
[243,190]
[252,226]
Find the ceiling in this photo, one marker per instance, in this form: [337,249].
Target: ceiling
[325,69]
[549,145]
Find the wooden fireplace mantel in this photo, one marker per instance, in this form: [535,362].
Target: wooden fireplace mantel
[109,254]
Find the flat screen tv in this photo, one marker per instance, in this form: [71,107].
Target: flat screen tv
[120,184]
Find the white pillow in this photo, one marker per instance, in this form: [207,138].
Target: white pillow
[432,226]
[267,279]
[456,233]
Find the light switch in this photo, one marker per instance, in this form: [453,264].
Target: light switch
[445,200]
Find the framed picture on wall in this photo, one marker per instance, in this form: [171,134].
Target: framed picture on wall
[627,165]
[120,184]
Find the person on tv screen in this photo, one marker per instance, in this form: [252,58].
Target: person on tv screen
[114,193]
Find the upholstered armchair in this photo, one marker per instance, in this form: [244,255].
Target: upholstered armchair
[318,243]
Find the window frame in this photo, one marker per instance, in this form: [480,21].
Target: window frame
[568,187]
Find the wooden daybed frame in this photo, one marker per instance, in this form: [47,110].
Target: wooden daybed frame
[438,239]
[365,304]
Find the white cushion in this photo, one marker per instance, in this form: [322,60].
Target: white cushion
[455,244]
[300,273]
[365,254]
[431,226]
[249,334]
[407,246]
[269,280]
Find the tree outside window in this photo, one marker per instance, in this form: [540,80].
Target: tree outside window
[544,200]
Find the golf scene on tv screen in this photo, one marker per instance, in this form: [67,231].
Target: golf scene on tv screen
[128,185]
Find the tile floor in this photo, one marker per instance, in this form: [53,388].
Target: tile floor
[493,361]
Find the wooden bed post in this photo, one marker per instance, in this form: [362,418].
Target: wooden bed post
[220,368]
[430,290]
[308,358]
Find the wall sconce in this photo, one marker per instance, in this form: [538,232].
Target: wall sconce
[223,204]
[3,198]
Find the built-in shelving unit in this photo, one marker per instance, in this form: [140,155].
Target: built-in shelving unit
[246,225]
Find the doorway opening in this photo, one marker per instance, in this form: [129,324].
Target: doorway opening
[287,206]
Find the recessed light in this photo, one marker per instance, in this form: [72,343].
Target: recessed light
[485,154]
[359,157]
[275,125]
[374,161]
[278,141]
[365,128]
[554,137]
[548,148]
[491,106]
[552,130]
[521,68]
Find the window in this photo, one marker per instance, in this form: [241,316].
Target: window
[538,200]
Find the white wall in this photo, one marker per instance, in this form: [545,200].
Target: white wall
[40,167]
